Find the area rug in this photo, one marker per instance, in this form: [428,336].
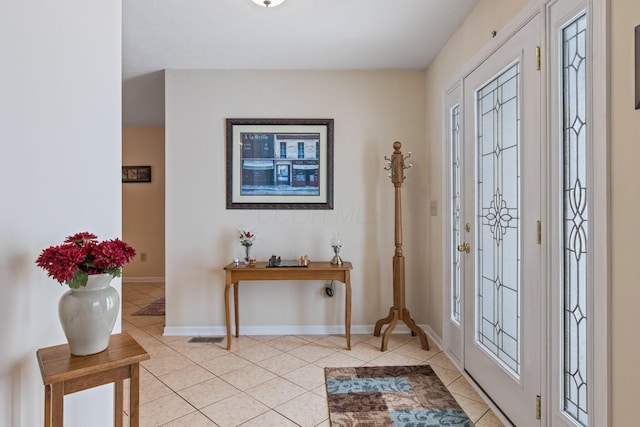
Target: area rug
[393,396]
[156,308]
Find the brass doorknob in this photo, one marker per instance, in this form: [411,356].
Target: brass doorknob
[464,247]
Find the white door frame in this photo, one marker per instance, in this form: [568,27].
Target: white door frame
[599,379]
[452,331]
[558,13]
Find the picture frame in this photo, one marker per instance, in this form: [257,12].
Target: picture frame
[136,173]
[279,163]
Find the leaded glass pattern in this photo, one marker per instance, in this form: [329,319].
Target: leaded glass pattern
[575,215]
[455,213]
[498,205]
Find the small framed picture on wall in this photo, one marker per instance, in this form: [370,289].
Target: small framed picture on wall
[136,174]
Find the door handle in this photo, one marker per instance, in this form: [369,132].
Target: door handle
[464,247]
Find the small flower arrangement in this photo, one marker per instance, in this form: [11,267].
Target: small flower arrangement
[82,255]
[246,238]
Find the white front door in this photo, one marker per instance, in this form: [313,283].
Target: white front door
[501,208]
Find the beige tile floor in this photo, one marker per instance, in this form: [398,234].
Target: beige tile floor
[265,381]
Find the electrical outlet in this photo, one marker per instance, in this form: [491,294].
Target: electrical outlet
[434,208]
[143,256]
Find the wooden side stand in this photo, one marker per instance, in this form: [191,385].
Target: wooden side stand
[398,311]
[63,374]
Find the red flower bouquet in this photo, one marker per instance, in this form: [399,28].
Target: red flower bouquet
[246,238]
[82,255]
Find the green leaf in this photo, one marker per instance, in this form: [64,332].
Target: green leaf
[79,279]
[114,271]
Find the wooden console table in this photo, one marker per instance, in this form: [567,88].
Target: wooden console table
[315,271]
[63,374]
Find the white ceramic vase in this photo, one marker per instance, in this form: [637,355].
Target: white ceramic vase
[88,314]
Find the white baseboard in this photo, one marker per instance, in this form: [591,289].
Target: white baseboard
[292,330]
[194,331]
[143,280]
[434,339]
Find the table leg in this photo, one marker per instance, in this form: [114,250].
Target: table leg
[347,303]
[118,412]
[226,311]
[236,312]
[47,405]
[57,404]
[134,396]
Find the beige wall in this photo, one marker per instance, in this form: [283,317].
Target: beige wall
[625,198]
[625,205]
[143,203]
[359,128]
[371,109]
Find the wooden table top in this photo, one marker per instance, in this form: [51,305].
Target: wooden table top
[313,265]
[57,364]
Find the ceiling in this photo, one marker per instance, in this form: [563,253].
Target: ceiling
[299,34]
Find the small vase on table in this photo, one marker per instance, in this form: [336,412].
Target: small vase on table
[88,315]
[247,253]
[88,310]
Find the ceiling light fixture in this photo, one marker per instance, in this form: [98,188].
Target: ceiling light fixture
[268,3]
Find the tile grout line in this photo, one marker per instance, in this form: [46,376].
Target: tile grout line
[148,328]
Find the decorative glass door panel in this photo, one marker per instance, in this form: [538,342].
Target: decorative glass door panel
[453,339]
[501,202]
[575,219]
[578,204]
[456,224]
[498,201]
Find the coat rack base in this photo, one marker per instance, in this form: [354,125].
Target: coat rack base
[395,315]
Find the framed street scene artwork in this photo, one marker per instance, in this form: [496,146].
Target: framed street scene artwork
[136,174]
[279,163]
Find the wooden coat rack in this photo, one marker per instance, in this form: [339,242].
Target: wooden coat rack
[397,165]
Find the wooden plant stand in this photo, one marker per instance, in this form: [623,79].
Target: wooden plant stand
[398,311]
[63,374]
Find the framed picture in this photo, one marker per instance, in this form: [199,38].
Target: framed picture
[279,163]
[136,174]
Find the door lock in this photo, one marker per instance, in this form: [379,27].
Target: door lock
[464,247]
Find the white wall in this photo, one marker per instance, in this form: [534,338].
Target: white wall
[59,173]
[371,109]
